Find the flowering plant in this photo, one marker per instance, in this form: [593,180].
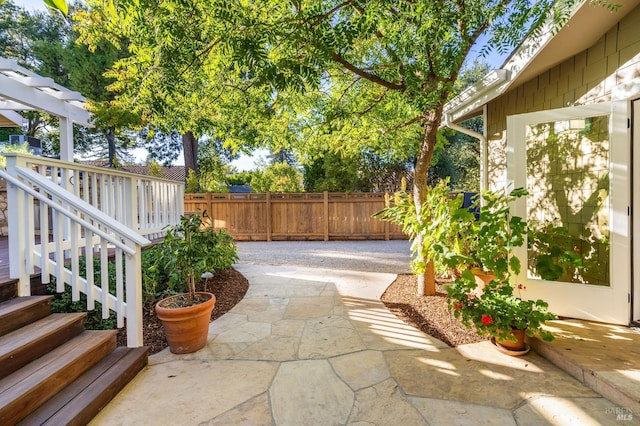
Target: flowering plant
[497,310]
[494,309]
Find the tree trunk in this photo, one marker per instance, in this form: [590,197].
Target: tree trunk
[426,281]
[190,150]
[111,144]
[34,123]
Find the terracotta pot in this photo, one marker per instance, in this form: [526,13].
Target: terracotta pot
[187,328]
[482,279]
[518,345]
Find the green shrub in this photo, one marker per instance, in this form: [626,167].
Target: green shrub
[188,250]
[192,184]
[63,303]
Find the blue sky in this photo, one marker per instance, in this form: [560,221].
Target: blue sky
[31,5]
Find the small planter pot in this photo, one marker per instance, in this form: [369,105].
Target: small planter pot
[186,328]
[518,345]
[509,347]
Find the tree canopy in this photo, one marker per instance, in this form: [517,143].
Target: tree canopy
[373,73]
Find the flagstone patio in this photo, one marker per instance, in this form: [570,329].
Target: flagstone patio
[311,346]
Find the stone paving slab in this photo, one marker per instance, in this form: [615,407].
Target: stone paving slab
[361,369]
[321,349]
[187,392]
[310,392]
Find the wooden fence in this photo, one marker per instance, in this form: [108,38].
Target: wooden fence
[296,216]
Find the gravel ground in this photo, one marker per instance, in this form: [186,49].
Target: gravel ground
[367,256]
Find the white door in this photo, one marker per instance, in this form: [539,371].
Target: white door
[635,142]
[575,163]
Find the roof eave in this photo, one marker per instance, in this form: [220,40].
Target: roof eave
[11,118]
[475,96]
[539,53]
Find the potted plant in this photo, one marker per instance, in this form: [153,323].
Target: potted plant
[498,312]
[189,249]
[494,309]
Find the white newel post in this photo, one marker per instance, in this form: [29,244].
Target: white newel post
[17,228]
[133,291]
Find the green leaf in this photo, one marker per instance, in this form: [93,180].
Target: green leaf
[60,5]
[519,192]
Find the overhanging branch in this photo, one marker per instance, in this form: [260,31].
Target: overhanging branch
[405,124]
[367,75]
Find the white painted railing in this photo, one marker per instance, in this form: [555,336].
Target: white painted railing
[143,203]
[90,212]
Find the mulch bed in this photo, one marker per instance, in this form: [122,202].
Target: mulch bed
[427,313]
[229,287]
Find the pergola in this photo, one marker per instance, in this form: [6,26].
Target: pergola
[24,90]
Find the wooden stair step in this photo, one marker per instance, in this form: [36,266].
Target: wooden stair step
[9,287]
[79,402]
[21,311]
[28,343]
[37,288]
[28,388]
[8,290]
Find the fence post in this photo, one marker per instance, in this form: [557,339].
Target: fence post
[268,201]
[326,215]
[386,223]
[130,200]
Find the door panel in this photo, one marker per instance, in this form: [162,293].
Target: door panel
[574,163]
[635,141]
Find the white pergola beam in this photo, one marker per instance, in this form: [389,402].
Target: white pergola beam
[12,89]
[15,106]
[36,81]
[68,95]
[9,65]
[21,89]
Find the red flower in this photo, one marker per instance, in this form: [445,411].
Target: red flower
[521,287]
[458,305]
[486,320]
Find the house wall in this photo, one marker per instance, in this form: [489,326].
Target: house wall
[586,78]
